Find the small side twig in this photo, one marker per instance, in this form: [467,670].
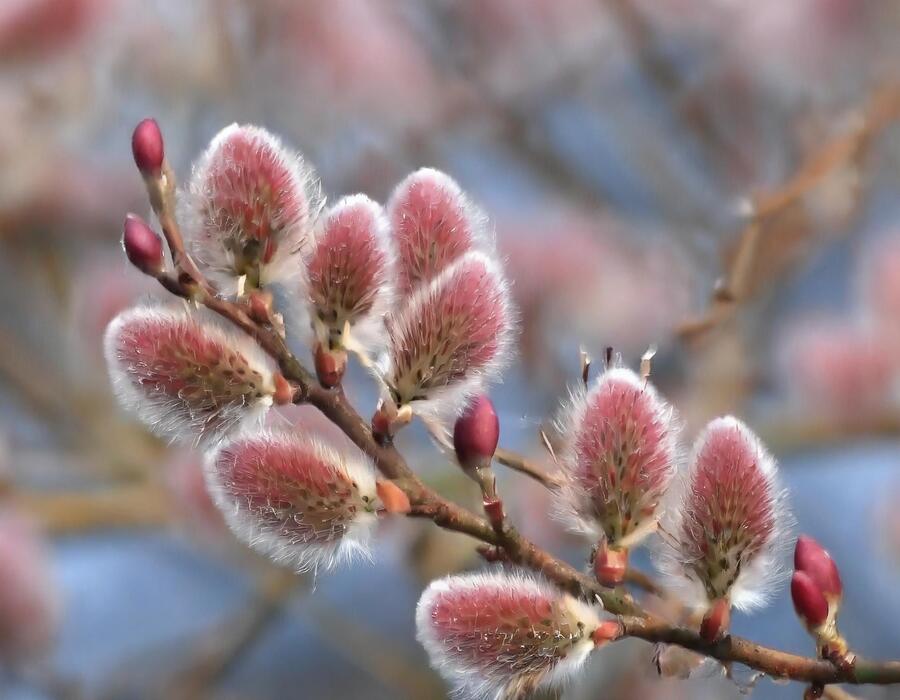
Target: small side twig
[767,211]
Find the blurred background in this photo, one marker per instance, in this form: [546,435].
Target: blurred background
[717,178]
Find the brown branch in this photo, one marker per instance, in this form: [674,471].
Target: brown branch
[426,503]
[777,664]
[525,466]
[639,579]
[769,240]
[161,191]
[129,506]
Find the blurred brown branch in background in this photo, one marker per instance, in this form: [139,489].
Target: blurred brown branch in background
[782,226]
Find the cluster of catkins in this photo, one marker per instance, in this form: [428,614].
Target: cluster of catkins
[413,289]
[417,292]
[721,515]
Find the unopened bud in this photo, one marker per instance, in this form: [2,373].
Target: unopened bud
[610,565]
[330,366]
[284,391]
[813,560]
[476,434]
[809,601]
[147,147]
[388,419]
[142,246]
[607,631]
[260,305]
[716,621]
[392,497]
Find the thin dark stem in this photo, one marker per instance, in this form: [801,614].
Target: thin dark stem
[525,466]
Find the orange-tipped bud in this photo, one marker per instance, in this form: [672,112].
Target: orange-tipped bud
[608,631]
[147,148]
[387,420]
[809,601]
[392,497]
[260,305]
[610,565]
[284,391]
[716,621]
[142,246]
[330,366]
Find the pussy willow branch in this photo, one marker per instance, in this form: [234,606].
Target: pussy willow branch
[427,503]
[525,466]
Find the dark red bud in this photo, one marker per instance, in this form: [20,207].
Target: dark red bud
[815,561]
[142,246]
[476,433]
[610,565]
[809,602]
[330,366]
[147,147]
[716,621]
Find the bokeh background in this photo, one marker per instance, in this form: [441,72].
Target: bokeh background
[717,178]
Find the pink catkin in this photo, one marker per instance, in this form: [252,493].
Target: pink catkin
[451,334]
[251,192]
[293,498]
[732,519]
[251,202]
[499,632]
[433,224]
[348,273]
[622,455]
[185,377]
